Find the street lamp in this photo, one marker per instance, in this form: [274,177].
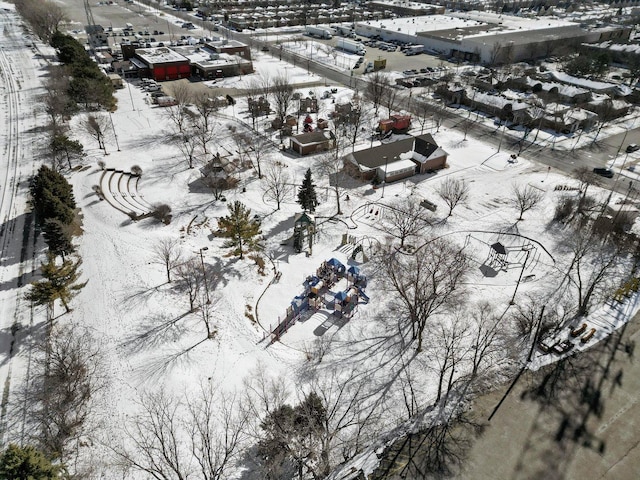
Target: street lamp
[204,274]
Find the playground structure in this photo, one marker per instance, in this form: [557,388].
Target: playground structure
[358,249]
[317,294]
[304,227]
[524,255]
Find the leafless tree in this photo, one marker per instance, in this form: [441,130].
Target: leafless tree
[254,148]
[281,92]
[61,396]
[486,336]
[177,114]
[278,183]
[207,309]
[423,112]
[595,265]
[453,192]
[428,282]
[216,424]
[188,143]
[404,219]
[332,165]
[465,125]
[190,279]
[166,253]
[377,88]
[97,126]
[606,113]
[45,17]
[211,420]
[525,198]
[448,346]
[390,98]
[203,123]
[154,433]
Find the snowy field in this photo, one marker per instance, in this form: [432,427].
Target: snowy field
[153,343]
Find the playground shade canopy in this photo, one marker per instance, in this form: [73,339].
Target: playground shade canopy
[336,265]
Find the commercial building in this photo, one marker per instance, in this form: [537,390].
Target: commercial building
[489,38]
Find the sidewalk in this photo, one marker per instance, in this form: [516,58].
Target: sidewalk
[528,438]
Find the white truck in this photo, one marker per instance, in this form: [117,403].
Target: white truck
[414,50]
[318,32]
[346,32]
[351,46]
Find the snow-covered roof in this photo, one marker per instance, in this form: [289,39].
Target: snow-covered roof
[154,56]
[581,82]
[397,166]
[564,90]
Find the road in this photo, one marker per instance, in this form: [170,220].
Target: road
[19,87]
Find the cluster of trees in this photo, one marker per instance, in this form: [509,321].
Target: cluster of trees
[588,64]
[43,16]
[88,85]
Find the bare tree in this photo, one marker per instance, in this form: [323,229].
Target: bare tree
[190,279]
[428,282]
[67,376]
[281,92]
[154,432]
[332,165]
[390,98]
[177,114]
[423,112]
[187,142]
[57,103]
[465,125]
[486,336]
[453,192]
[45,17]
[97,126]
[166,253]
[594,265]
[278,183]
[377,89]
[525,198]
[204,122]
[254,148]
[448,348]
[216,424]
[404,219]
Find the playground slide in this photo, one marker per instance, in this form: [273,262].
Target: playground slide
[363,295]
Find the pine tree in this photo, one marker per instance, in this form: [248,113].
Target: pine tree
[57,235]
[59,283]
[241,230]
[307,197]
[27,463]
[50,194]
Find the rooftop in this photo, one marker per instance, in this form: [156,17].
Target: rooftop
[157,55]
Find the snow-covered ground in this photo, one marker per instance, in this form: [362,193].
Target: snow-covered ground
[151,341]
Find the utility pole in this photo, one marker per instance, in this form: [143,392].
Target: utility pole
[204,274]
[524,265]
[115,135]
[384,182]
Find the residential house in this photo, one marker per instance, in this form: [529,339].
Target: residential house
[397,160]
[312,142]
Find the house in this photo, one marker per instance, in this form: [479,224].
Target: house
[397,160]
[312,142]
[565,119]
[207,63]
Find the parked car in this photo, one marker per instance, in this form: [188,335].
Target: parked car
[633,147]
[603,172]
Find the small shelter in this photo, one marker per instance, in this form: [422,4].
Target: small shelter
[498,255]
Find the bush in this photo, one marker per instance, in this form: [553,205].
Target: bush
[136,170]
[162,213]
[564,209]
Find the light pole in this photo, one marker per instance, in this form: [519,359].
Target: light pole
[115,135]
[384,182]
[524,265]
[204,274]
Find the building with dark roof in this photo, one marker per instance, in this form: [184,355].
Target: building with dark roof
[396,160]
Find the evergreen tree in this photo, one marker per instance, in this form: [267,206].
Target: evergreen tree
[307,197]
[63,146]
[52,196]
[26,463]
[57,235]
[241,230]
[59,283]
